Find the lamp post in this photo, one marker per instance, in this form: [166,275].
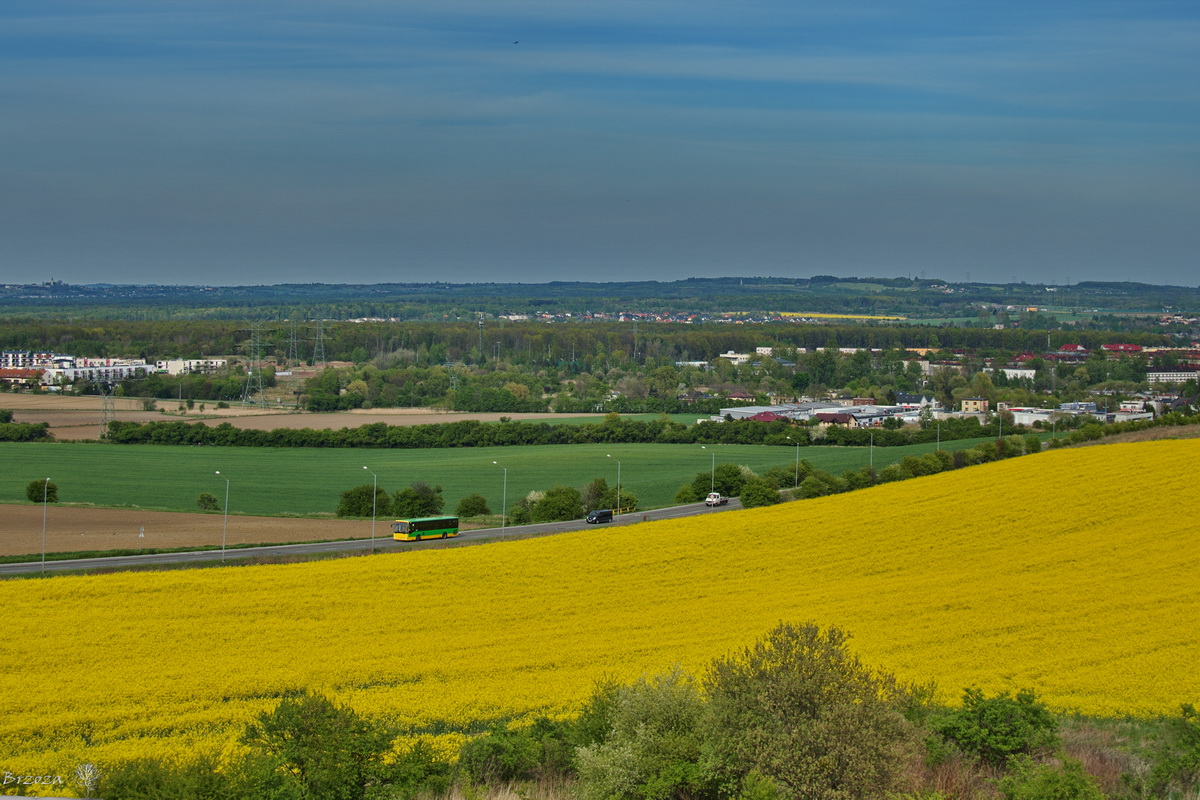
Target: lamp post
[374,496]
[45,496]
[871,460]
[225,524]
[797,473]
[712,482]
[939,441]
[504,496]
[618,484]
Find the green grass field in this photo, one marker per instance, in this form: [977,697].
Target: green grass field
[282,481]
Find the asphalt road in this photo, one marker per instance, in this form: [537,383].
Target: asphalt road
[383,545]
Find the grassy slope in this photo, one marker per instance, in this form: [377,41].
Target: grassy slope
[1070,572]
[273,481]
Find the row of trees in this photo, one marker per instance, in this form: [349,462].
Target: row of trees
[796,716]
[21,431]
[613,429]
[419,499]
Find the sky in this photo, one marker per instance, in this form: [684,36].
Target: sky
[368,141]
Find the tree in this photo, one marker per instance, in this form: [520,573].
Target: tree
[418,500]
[759,492]
[328,751]
[356,502]
[473,505]
[207,502]
[559,503]
[42,491]
[800,709]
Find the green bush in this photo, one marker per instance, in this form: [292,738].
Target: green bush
[559,503]
[812,486]
[473,505]
[42,491]
[759,492]
[325,750]
[1175,755]
[356,502]
[1028,780]
[151,779]
[653,744]
[207,501]
[998,728]
[540,751]
[418,500]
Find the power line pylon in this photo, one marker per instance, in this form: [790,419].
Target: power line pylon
[319,346]
[254,384]
[293,355]
[107,412]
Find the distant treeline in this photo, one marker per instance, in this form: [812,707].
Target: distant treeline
[472,433]
[579,347]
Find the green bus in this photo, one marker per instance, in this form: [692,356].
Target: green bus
[418,528]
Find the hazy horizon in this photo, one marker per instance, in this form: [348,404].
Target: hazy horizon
[250,143]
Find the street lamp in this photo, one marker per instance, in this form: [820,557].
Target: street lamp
[939,439]
[374,495]
[45,496]
[504,496]
[618,484]
[871,461]
[712,482]
[793,441]
[225,525]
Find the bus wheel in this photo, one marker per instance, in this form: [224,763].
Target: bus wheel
[443,536]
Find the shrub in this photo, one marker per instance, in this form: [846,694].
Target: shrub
[325,750]
[998,728]
[539,751]
[207,502]
[356,502]
[759,492]
[473,505]
[652,747]
[1031,781]
[418,500]
[812,486]
[42,491]
[559,503]
[894,472]
[1175,755]
[800,710]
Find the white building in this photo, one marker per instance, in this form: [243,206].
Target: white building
[1170,375]
[98,373]
[203,366]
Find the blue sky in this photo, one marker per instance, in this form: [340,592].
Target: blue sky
[530,140]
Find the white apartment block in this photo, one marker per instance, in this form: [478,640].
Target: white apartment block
[192,365]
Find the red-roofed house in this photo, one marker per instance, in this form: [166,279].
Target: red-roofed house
[23,377]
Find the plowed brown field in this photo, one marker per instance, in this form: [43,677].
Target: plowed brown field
[77,418]
[74,529]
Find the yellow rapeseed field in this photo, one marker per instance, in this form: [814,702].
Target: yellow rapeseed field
[1075,572]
